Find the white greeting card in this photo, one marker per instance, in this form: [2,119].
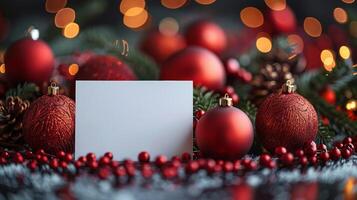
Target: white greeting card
[126,117]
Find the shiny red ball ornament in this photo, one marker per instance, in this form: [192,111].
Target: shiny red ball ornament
[208,35]
[160,46]
[105,67]
[197,64]
[286,119]
[287,25]
[49,122]
[224,132]
[29,60]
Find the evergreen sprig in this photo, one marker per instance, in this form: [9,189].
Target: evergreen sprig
[204,99]
[325,134]
[26,91]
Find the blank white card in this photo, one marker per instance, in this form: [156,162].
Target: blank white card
[127,117]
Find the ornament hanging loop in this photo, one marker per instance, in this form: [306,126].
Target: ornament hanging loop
[289,87]
[53,89]
[225,101]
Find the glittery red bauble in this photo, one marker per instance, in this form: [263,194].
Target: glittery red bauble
[49,124]
[104,67]
[283,21]
[197,64]
[208,35]
[287,120]
[224,133]
[29,60]
[160,46]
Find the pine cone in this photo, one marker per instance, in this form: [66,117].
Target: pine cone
[11,114]
[269,79]
[297,63]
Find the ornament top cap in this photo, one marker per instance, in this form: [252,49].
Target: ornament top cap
[289,87]
[53,89]
[225,101]
[33,33]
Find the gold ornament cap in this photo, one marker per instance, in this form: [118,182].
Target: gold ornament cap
[53,89]
[225,101]
[289,87]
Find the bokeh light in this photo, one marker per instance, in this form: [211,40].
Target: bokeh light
[353,28]
[312,27]
[64,17]
[351,105]
[276,5]
[263,44]
[348,1]
[135,17]
[169,26]
[344,52]
[296,42]
[340,15]
[53,6]
[252,17]
[71,30]
[2,68]
[173,4]
[328,59]
[125,5]
[73,69]
[205,2]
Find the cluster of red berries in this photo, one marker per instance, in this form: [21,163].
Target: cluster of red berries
[234,71]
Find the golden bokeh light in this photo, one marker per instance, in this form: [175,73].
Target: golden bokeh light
[348,1]
[263,44]
[344,52]
[71,30]
[205,2]
[135,21]
[252,17]
[351,105]
[296,42]
[325,54]
[312,27]
[125,5]
[64,17]
[340,15]
[168,26]
[173,4]
[73,69]
[353,28]
[328,59]
[53,6]
[2,69]
[276,5]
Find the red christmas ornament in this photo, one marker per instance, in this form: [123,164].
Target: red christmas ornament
[224,132]
[104,67]
[29,60]
[287,25]
[329,95]
[160,46]
[49,122]
[286,119]
[197,64]
[208,35]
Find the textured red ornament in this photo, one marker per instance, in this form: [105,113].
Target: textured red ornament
[49,124]
[29,60]
[197,64]
[208,35]
[104,67]
[224,132]
[283,21]
[160,46]
[286,119]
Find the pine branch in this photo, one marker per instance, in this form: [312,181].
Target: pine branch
[26,91]
[325,134]
[249,108]
[204,99]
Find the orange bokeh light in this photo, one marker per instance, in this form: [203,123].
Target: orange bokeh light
[73,69]
[53,6]
[125,5]
[312,27]
[64,17]
[2,69]
[205,2]
[173,4]
[251,17]
[276,5]
[348,1]
[135,19]
[263,44]
[340,15]
[297,43]
[71,30]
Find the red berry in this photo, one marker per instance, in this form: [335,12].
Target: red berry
[252,165]
[78,164]
[128,163]
[303,161]
[287,159]
[324,156]
[93,165]
[3,161]
[350,147]
[209,165]
[147,171]
[311,149]
[217,169]
[346,153]
[220,162]
[120,171]
[63,164]
[299,153]
[236,165]
[68,157]
[104,160]
[271,164]
[231,66]
[18,158]
[202,162]
[82,159]
[144,156]
[245,162]
[91,157]
[264,159]
[347,140]
[40,152]
[321,147]
[175,163]
[130,170]
[109,155]
[335,153]
[54,163]
[235,98]
[228,166]
[228,90]
[104,173]
[185,157]
[199,113]
[192,167]
[114,164]
[160,160]
[32,165]
[169,172]
[44,159]
[61,154]
[173,158]
[29,154]
[5,154]
[338,144]
[279,151]
[313,160]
